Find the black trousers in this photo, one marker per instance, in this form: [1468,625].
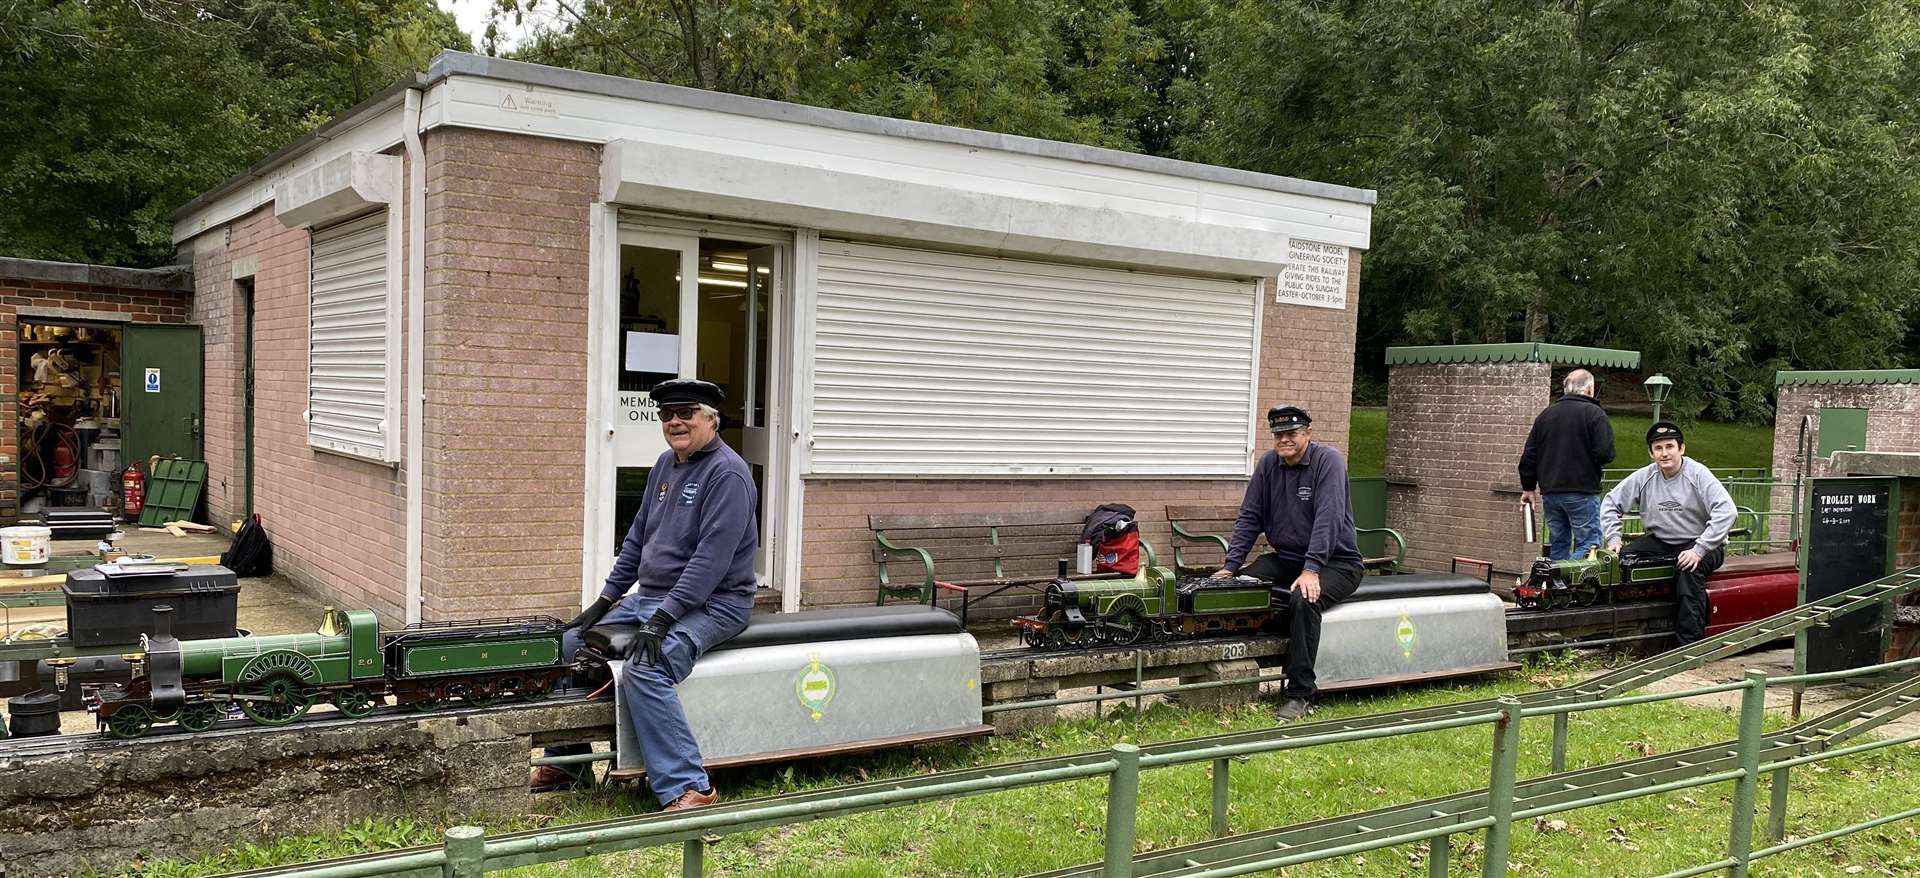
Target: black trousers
[1337,583]
[1691,608]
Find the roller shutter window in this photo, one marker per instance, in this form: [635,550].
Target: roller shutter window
[348,393]
[930,363]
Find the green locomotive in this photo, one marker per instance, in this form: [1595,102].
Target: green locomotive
[1155,605]
[347,662]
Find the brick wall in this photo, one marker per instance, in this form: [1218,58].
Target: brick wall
[837,568]
[1907,547]
[1454,433]
[506,367]
[1306,359]
[337,523]
[116,304]
[1893,425]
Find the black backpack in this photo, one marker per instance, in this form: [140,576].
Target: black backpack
[1108,522]
[251,553]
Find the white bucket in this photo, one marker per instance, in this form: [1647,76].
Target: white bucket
[24,546]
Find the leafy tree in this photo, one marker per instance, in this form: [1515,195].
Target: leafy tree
[115,112]
[1727,187]
[1045,68]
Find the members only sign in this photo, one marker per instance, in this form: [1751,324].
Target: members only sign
[637,437]
[1316,275]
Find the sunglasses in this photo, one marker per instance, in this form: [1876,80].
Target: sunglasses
[682,412]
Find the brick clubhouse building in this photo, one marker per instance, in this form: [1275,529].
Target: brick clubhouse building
[431,326]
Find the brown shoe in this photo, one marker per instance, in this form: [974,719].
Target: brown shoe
[693,799]
[552,778]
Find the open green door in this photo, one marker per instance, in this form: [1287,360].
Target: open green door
[161,392]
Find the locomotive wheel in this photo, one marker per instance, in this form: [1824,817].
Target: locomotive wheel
[130,721]
[1130,628]
[1586,593]
[280,698]
[200,716]
[483,694]
[1033,637]
[355,703]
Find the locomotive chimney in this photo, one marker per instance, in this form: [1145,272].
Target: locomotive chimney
[163,622]
[1063,568]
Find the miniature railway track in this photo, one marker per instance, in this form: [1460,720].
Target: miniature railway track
[1853,719]
[18,748]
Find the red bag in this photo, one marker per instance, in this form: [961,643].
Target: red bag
[1118,555]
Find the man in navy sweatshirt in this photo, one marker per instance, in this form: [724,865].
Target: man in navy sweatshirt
[690,552]
[1298,499]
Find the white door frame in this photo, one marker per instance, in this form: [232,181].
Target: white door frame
[611,227]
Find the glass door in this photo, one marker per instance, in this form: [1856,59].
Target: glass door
[699,307]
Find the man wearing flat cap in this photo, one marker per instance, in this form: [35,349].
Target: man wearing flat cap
[1298,499]
[690,552]
[1686,513]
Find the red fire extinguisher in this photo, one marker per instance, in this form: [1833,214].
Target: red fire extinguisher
[133,490]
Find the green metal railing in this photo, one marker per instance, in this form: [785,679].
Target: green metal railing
[468,852]
[1753,490]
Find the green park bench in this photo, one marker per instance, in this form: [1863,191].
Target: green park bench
[1203,525]
[993,552]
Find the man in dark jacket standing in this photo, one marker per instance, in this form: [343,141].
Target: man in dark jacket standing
[1298,499]
[1571,441]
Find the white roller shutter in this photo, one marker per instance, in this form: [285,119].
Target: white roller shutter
[930,363]
[349,394]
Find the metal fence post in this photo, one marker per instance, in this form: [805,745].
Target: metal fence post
[1220,793]
[1438,850]
[693,858]
[1753,714]
[1123,797]
[1777,806]
[466,852]
[1506,765]
[1559,742]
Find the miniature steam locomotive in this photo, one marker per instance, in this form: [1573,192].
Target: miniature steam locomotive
[1156,605]
[348,662]
[1583,582]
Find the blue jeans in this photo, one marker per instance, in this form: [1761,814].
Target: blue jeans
[1573,524]
[667,747]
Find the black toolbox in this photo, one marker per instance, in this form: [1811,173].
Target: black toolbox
[104,611]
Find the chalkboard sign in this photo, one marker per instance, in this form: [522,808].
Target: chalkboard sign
[1846,546]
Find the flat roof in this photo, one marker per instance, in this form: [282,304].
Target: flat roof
[169,278]
[449,64]
[1515,352]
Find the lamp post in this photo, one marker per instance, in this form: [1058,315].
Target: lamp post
[1658,387]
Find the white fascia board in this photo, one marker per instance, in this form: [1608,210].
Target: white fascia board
[1034,203]
[695,181]
[375,129]
[344,186]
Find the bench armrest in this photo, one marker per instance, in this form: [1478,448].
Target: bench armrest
[889,549]
[1399,545]
[1180,532]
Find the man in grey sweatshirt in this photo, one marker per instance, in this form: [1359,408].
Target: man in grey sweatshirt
[1686,512]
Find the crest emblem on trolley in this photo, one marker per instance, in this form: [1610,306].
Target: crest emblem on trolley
[814,687]
[1406,635]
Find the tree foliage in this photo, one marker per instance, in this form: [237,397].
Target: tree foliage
[115,112]
[1729,188]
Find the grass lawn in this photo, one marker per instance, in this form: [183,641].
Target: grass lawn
[1021,831]
[1719,446]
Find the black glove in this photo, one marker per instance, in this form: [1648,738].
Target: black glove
[591,615]
[646,644]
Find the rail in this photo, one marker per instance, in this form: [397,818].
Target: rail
[1755,493]
[466,851]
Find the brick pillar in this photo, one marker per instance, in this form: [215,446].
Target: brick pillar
[1893,425]
[1454,436]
